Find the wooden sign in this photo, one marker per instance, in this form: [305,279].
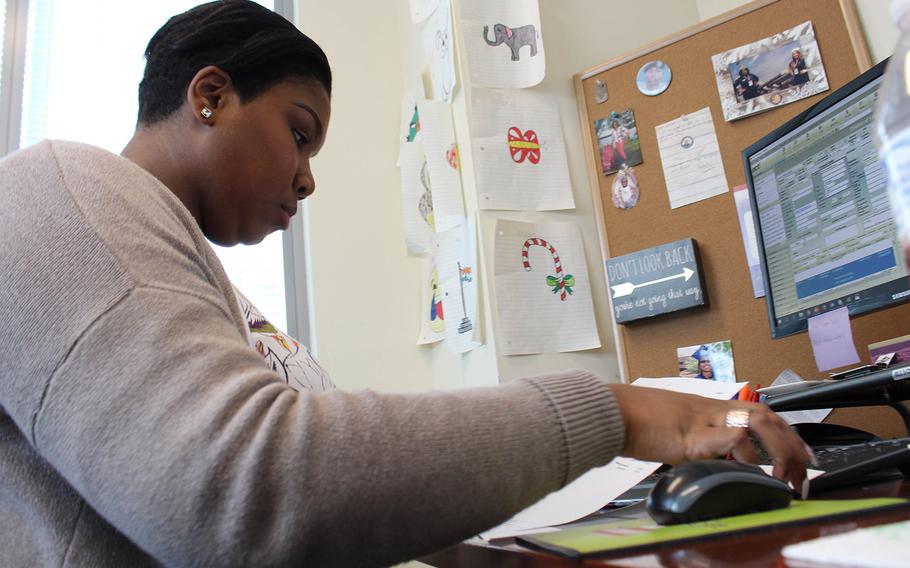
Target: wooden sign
[654,281]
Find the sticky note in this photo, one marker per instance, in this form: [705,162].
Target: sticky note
[832,340]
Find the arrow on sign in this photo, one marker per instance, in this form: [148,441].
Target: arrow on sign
[627,288]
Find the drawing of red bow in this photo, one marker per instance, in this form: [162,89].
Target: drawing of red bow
[524,145]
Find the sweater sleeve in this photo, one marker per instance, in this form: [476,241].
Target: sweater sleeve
[170,427]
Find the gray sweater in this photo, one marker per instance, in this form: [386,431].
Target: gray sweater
[138,427]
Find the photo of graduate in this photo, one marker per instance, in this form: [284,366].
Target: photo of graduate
[708,361]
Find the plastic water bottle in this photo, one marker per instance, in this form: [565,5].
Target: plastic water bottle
[892,122]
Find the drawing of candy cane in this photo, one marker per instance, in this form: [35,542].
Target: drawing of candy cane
[560,283]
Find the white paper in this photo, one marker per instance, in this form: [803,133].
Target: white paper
[593,490]
[420,9]
[508,24]
[438,44]
[750,243]
[788,377]
[532,317]
[416,199]
[456,261]
[587,494]
[882,546]
[709,389]
[690,156]
[810,473]
[438,135]
[519,152]
[432,315]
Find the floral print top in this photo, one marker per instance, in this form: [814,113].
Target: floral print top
[282,353]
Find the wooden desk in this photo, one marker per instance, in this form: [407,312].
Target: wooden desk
[758,549]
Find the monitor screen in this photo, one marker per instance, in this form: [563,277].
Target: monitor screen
[825,231]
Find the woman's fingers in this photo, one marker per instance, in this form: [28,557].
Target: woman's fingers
[787,450]
[706,442]
[672,427]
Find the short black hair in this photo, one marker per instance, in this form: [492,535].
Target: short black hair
[653,65]
[257,47]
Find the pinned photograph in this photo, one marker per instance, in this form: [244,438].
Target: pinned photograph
[653,78]
[617,137]
[625,188]
[770,72]
[708,361]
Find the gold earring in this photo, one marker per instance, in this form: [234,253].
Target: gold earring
[206,112]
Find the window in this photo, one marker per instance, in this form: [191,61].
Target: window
[82,65]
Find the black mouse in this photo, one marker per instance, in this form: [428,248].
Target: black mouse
[709,489]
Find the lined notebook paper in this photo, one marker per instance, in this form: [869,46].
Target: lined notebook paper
[543,294]
[519,151]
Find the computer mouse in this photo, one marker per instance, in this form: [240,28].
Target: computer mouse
[710,489]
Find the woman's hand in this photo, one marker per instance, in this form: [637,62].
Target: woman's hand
[671,427]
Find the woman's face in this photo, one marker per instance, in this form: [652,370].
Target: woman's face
[260,155]
[704,365]
[654,75]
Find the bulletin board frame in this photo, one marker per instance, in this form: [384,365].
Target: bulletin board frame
[647,348]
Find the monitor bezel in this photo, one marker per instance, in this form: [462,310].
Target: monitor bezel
[800,325]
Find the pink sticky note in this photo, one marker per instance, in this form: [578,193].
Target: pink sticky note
[832,339]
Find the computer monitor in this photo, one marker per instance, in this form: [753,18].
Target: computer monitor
[825,231]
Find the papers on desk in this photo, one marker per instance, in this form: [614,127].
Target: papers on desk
[638,534]
[709,389]
[788,381]
[587,494]
[593,490]
[883,546]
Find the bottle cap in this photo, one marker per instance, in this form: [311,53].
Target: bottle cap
[899,9]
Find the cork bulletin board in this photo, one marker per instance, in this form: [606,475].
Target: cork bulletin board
[647,348]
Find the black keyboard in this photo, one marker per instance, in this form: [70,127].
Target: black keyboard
[844,465]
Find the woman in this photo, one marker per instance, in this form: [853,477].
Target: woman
[620,135]
[797,66]
[140,427]
[705,371]
[746,84]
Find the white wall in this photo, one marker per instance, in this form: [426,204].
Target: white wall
[881,35]
[366,289]
[354,224]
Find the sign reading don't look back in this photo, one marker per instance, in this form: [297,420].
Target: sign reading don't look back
[655,281]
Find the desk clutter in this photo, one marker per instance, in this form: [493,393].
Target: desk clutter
[640,535]
[844,457]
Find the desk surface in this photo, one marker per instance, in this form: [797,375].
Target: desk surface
[754,549]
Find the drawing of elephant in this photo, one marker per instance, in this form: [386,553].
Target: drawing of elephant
[515,38]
